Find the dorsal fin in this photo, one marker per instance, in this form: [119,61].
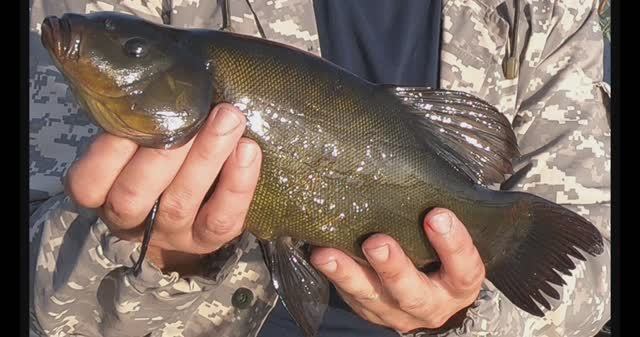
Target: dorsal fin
[471,134]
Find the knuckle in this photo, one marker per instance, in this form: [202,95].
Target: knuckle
[176,208]
[392,276]
[480,272]
[466,282]
[412,304]
[124,204]
[472,280]
[221,226]
[83,195]
[121,210]
[461,248]
[365,295]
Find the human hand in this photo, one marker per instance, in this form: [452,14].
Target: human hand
[123,181]
[393,292]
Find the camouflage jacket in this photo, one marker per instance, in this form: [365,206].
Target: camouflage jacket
[80,283]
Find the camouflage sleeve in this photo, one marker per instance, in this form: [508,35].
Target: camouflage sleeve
[80,280]
[82,284]
[557,107]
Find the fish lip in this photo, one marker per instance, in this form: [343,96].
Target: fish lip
[56,35]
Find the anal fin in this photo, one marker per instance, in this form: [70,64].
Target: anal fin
[303,290]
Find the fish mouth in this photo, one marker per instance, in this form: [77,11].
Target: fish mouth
[57,36]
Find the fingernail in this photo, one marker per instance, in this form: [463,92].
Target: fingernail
[328,267]
[246,153]
[225,121]
[380,254]
[441,223]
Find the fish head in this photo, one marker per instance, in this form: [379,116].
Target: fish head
[136,79]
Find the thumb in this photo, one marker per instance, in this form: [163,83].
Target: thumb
[462,267]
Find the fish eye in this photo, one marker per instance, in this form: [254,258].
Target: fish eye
[135,47]
[109,25]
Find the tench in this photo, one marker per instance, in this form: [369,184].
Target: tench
[343,158]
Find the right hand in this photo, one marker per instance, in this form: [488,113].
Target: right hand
[123,181]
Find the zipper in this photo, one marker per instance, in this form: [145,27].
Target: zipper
[512,64]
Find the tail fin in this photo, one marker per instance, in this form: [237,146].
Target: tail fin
[543,235]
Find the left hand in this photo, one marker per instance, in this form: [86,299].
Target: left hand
[394,293]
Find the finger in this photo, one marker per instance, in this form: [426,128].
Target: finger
[211,148]
[353,279]
[90,178]
[362,290]
[222,216]
[410,288]
[462,270]
[135,191]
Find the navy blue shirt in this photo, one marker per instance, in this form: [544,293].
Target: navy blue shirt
[383,41]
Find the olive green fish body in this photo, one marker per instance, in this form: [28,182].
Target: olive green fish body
[338,162]
[342,158]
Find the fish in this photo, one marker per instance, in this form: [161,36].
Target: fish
[343,158]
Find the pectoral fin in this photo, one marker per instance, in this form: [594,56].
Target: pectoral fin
[304,291]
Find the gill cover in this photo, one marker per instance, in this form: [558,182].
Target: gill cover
[175,102]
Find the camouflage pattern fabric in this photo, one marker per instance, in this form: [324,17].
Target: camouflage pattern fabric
[556,108]
[604,10]
[80,281]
